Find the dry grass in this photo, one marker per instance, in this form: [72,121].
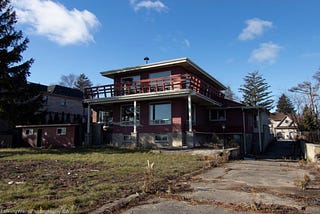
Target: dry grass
[83,179]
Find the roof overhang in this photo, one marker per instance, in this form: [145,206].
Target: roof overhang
[184,62]
[196,97]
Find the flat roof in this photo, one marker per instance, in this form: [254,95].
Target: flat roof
[184,62]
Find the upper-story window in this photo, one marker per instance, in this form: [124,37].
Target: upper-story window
[130,80]
[45,100]
[160,74]
[129,83]
[63,102]
[217,115]
[160,82]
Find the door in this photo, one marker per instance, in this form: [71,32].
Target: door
[39,137]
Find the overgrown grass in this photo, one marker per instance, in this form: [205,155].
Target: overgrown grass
[81,180]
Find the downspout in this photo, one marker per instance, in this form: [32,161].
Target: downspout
[259,130]
[244,132]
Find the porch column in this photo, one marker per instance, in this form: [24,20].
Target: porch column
[244,132]
[135,116]
[88,134]
[259,131]
[189,113]
[134,133]
[190,134]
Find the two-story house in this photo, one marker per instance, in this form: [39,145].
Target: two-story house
[167,104]
[283,126]
[61,125]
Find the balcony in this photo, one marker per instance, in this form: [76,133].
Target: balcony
[170,83]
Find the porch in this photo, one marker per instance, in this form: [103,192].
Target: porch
[163,84]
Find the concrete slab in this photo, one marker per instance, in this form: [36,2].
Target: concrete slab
[177,207]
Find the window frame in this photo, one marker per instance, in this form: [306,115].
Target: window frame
[163,121]
[217,112]
[128,122]
[29,132]
[164,138]
[63,131]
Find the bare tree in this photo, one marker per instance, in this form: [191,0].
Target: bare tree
[68,80]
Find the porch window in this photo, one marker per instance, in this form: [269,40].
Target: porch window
[61,131]
[217,115]
[127,112]
[160,113]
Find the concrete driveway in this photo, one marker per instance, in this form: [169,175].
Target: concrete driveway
[246,186]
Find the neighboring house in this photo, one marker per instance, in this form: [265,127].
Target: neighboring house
[51,135]
[61,125]
[170,104]
[61,104]
[282,126]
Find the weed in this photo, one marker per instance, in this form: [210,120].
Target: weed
[303,183]
[148,184]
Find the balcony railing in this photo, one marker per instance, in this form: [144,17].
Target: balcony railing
[173,82]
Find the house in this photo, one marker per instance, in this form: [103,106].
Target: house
[51,135]
[170,104]
[283,126]
[61,104]
[61,125]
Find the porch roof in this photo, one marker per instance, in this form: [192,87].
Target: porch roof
[184,62]
[204,100]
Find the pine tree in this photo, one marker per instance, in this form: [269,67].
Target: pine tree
[308,121]
[228,93]
[18,100]
[255,91]
[82,82]
[285,105]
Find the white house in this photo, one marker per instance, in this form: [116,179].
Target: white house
[282,126]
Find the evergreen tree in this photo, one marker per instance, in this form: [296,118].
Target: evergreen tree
[285,105]
[18,100]
[229,93]
[82,82]
[255,91]
[308,121]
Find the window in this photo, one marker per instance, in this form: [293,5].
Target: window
[127,112]
[61,131]
[161,138]
[45,100]
[129,82]
[127,138]
[217,115]
[160,74]
[160,113]
[29,132]
[63,102]
[162,78]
